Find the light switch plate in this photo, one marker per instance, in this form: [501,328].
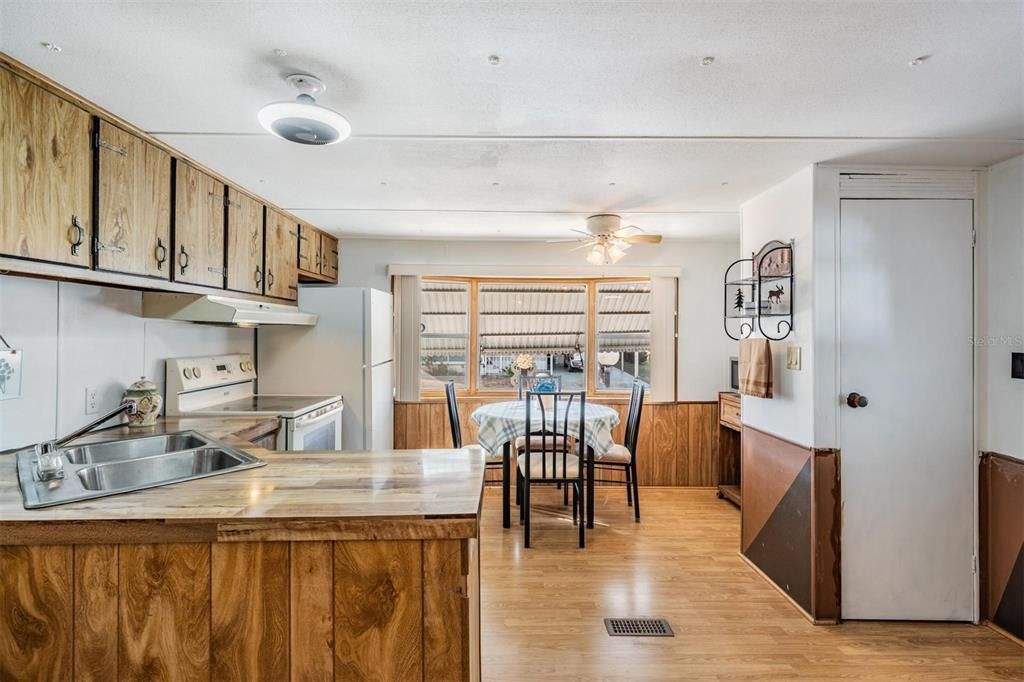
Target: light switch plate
[793,357]
[10,373]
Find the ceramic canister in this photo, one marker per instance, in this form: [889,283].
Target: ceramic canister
[146,397]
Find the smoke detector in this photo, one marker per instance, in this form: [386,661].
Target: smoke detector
[302,120]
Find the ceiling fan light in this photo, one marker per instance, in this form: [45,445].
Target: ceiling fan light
[596,255]
[615,254]
[304,121]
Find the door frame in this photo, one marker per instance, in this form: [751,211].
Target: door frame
[942,183]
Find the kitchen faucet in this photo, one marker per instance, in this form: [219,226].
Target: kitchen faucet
[50,462]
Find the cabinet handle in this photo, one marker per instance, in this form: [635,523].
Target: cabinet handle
[219,198]
[103,144]
[270,278]
[76,234]
[183,259]
[216,271]
[98,246]
[160,253]
[259,276]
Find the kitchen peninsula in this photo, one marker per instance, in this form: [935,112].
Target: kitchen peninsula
[347,565]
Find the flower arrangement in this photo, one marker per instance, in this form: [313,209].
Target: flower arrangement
[523,362]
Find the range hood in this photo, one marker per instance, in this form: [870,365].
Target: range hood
[221,310]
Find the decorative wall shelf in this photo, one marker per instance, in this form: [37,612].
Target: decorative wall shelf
[764,298]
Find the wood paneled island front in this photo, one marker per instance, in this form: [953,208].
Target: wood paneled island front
[318,566]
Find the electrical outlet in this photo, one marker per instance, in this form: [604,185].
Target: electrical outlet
[91,401]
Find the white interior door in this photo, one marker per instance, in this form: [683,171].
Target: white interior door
[906,309]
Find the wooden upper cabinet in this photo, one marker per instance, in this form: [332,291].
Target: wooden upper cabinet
[45,175]
[309,249]
[133,233]
[198,227]
[282,256]
[245,243]
[329,256]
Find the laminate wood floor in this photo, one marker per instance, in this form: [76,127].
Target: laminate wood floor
[542,608]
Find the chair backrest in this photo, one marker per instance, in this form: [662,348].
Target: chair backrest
[539,383]
[636,406]
[453,414]
[555,429]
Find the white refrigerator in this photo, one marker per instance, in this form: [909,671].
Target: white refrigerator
[348,352]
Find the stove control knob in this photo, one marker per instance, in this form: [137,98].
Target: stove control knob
[187,372]
[196,373]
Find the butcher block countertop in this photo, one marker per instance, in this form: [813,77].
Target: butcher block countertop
[399,494]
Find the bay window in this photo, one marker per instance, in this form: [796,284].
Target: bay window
[597,335]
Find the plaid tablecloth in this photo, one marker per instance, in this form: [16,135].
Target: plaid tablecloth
[501,423]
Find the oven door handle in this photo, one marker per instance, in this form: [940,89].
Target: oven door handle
[322,418]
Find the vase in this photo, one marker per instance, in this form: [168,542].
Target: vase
[146,397]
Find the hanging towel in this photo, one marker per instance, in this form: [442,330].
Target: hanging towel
[756,368]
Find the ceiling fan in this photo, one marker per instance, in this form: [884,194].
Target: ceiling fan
[608,240]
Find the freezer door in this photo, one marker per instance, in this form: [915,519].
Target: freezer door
[381,327]
[380,429]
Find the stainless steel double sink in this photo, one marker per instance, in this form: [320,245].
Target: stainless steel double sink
[125,465]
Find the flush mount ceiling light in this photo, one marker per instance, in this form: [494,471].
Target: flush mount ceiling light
[494,59]
[302,120]
[707,61]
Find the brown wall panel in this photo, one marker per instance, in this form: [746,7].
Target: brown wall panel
[378,609]
[96,631]
[249,601]
[826,533]
[677,446]
[164,614]
[36,613]
[312,611]
[445,621]
[1002,541]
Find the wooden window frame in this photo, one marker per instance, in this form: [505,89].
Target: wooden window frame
[473,347]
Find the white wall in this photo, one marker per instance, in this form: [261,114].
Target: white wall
[998,260]
[77,336]
[785,212]
[704,349]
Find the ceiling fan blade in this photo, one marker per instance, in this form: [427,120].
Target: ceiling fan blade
[643,239]
[563,241]
[623,231]
[589,236]
[585,245]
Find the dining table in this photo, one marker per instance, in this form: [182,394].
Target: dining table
[499,424]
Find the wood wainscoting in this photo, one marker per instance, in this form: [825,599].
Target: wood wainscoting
[345,610]
[791,520]
[1001,521]
[678,444]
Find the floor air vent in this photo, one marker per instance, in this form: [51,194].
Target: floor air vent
[638,627]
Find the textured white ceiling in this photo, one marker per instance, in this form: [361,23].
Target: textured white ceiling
[408,75]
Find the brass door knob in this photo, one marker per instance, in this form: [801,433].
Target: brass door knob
[857,400]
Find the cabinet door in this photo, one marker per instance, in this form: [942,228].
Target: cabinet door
[198,228]
[309,248]
[245,243]
[329,256]
[133,233]
[45,175]
[282,256]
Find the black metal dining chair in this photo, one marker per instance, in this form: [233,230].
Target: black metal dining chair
[623,457]
[554,462]
[491,460]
